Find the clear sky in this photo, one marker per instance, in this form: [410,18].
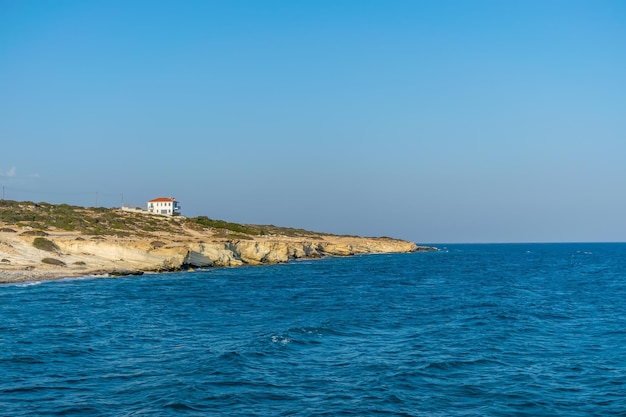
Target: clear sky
[433,121]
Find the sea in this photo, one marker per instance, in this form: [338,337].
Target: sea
[468,330]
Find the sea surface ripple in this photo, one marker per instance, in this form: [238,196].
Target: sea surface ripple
[470,330]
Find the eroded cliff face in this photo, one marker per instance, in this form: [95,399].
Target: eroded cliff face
[235,253]
[82,256]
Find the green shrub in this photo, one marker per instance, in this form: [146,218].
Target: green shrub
[52,261]
[100,221]
[221,224]
[239,236]
[34,233]
[45,244]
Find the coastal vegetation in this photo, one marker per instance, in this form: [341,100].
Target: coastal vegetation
[45,244]
[53,261]
[37,218]
[253,230]
[46,241]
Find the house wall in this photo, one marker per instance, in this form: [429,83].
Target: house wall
[163,207]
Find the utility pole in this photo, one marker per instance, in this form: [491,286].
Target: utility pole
[96,199]
[3,192]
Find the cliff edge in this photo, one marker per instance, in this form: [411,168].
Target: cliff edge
[43,241]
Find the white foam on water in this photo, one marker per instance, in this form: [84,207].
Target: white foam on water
[82,278]
[22,284]
[281,340]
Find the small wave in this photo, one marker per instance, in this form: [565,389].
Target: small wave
[281,340]
[81,278]
[77,410]
[302,336]
[29,284]
[458,364]
[25,359]
[303,261]
[231,354]
[178,406]
[22,284]
[19,390]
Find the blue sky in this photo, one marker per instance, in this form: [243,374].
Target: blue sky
[442,121]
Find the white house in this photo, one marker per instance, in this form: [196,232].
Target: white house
[164,205]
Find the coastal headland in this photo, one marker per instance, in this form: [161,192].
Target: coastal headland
[42,241]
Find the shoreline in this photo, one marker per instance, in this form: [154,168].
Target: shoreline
[46,242]
[13,276]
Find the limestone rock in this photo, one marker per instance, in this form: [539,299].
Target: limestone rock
[112,255]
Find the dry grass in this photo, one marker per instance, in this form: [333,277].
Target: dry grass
[39,217]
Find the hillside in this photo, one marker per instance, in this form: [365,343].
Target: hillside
[46,241]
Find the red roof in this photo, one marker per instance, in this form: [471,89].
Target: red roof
[162,200]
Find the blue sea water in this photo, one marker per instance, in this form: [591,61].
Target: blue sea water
[470,330]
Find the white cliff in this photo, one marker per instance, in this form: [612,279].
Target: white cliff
[183,246]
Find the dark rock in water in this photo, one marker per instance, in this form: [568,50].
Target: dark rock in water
[124,272]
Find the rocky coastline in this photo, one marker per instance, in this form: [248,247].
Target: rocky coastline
[27,254]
